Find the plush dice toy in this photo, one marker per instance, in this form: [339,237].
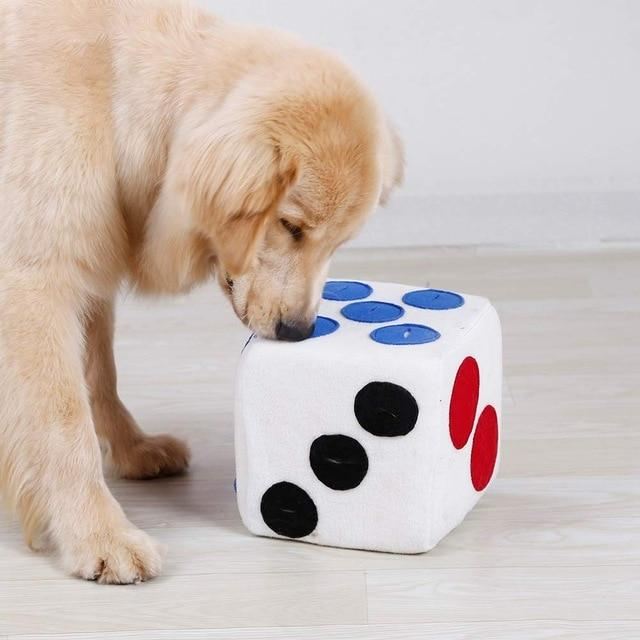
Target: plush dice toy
[378,432]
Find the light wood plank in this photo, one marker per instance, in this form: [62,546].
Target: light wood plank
[535,630]
[592,456]
[469,595]
[562,540]
[223,600]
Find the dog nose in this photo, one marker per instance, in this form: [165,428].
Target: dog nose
[292,332]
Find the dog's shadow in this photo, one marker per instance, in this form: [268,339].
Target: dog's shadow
[204,496]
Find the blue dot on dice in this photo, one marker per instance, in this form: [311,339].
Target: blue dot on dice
[345,291]
[324,326]
[372,311]
[340,462]
[433,299]
[398,334]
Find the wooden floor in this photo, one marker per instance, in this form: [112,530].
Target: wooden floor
[552,551]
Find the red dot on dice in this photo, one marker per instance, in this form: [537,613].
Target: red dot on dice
[484,450]
[464,402]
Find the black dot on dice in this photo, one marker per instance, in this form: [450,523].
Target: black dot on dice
[288,510]
[339,462]
[386,409]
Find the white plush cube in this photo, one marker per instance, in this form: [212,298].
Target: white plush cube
[381,431]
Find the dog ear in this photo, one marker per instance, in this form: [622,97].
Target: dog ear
[238,240]
[234,176]
[392,161]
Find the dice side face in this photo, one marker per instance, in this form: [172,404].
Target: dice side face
[285,405]
[297,415]
[471,414]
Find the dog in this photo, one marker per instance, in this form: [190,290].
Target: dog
[149,144]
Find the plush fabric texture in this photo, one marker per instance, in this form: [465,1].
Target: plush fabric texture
[351,440]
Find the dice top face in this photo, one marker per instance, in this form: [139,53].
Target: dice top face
[391,402]
[391,315]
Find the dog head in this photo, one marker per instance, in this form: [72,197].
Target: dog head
[277,178]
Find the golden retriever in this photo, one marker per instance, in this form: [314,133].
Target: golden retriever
[148,142]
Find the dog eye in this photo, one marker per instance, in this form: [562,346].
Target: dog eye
[295,231]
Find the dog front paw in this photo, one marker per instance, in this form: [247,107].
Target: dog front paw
[153,457]
[125,556]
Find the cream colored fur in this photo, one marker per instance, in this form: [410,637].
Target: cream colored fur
[147,143]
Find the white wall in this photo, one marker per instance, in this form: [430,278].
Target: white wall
[511,100]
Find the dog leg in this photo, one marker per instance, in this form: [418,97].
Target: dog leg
[50,463]
[132,453]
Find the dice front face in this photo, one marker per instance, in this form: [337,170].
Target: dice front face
[381,431]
